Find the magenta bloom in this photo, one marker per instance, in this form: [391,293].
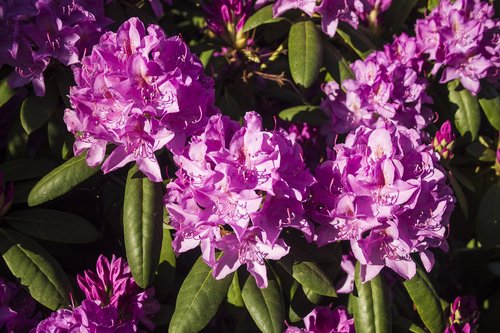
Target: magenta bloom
[139,90]
[372,11]
[237,189]
[112,286]
[464,315]
[385,192]
[462,37]
[35,32]
[326,320]
[88,317]
[17,309]
[388,84]
[444,140]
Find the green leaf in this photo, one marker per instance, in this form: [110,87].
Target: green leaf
[6,92]
[489,99]
[305,53]
[262,16]
[17,140]
[26,168]
[35,268]
[53,225]
[467,115]
[166,268]
[36,111]
[407,326]
[234,294]
[302,301]
[304,113]
[431,4]
[426,301]
[336,64]
[356,40]
[459,193]
[266,306]
[142,225]
[198,300]
[61,180]
[308,274]
[488,217]
[372,311]
[397,14]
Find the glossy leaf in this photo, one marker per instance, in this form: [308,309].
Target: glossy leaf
[426,301]
[35,268]
[336,64]
[6,92]
[36,111]
[199,299]
[467,115]
[166,268]
[489,99]
[305,53]
[266,306]
[488,217]
[234,294]
[26,168]
[61,180]
[372,312]
[260,17]
[356,40]
[53,225]
[142,225]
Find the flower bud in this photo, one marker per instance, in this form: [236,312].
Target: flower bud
[444,141]
[464,315]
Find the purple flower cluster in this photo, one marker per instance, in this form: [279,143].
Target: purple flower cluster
[384,191]
[464,315]
[237,189]
[33,32]
[114,303]
[326,320]
[331,11]
[139,90]
[463,38]
[388,85]
[17,308]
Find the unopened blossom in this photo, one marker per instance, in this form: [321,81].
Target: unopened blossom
[226,18]
[464,315]
[388,84]
[6,195]
[112,286]
[324,319]
[462,38]
[237,188]
[385,192]
[372,11]
[89,317]
[140,91]
[444,140]
[36,32]
[17,309]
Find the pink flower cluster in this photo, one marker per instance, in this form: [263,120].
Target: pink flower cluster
[326,320]
[35,32]
[237,189]
[384,191]
[141,91]
[463,38]
[114,303]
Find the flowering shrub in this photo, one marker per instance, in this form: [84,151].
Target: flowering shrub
[249,165]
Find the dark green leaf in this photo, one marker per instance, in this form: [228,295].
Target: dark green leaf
[53,225]
[199,299]
[35,268]
[488,217]
[26,168]
[234,294]
[6,92]
[481,152]
[17,140]
[266,306]
[467,115]
[336,64]
[305,53]
[142,225]
[304,113]
[406,325]
[431,4]
[372,311]
[489,99]
[36,111]
[166,268]
[61,180]
[426,301]
[459,193]
[64,81]
[262,16]
[302,301]
[356,40]
[397,14]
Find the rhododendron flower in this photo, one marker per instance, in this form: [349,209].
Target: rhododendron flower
[112,285]
[462,38]
[388,84]
[444,141]
[40,30]
[88,317]
[139,90]
[464,315]
[326,320]
[385,192]
[17,309]
[237,189]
